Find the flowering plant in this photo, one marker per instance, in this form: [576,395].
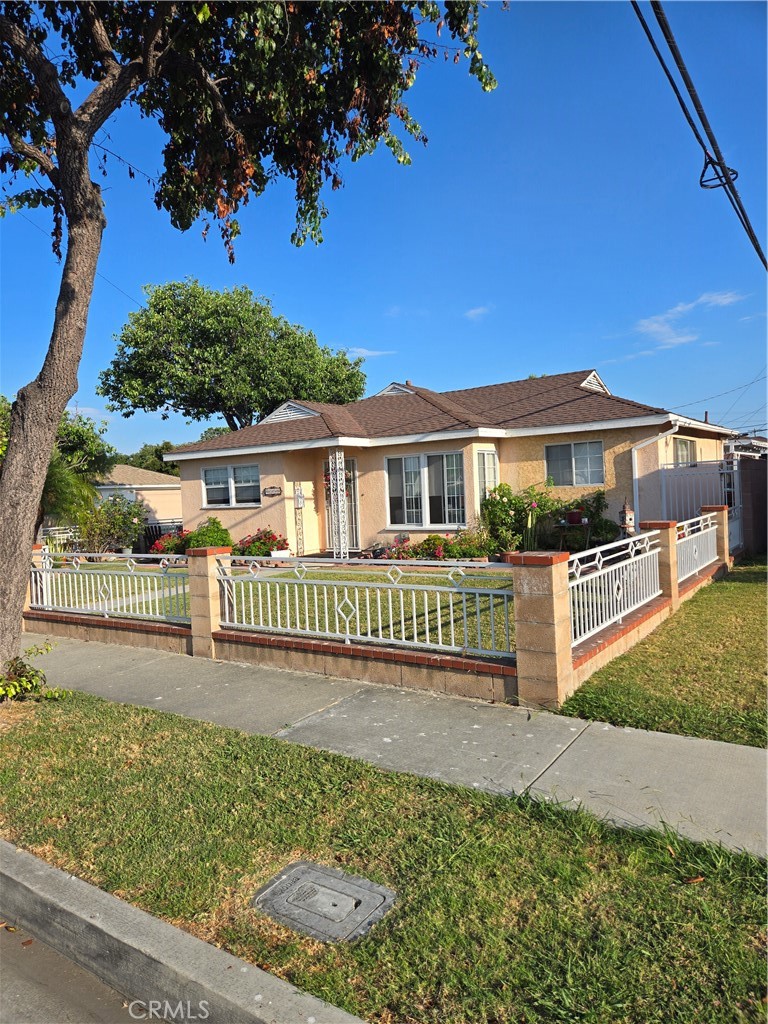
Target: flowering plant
[347,483]
[174,543]
[512,519]
[260,544]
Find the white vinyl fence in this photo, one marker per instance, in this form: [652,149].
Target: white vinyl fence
[445,608]
[685,487]
[696,545]
[608,582]
[151,587]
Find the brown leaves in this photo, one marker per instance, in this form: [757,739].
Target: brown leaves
[693,881]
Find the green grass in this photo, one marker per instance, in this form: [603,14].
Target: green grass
[701,673]
[421,616]
[508,912]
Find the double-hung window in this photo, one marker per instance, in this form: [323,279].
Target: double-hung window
[684,450]
[487,472]
[232,485]
[426,490]
[575,465]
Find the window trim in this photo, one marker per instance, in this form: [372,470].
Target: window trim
[560,444]
[485,452]
[692,460]
[424,524]
[232,503]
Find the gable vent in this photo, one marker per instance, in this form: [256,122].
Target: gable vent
[395,389]
[593,383]
[289,411]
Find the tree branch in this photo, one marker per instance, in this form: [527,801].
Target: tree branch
[30,152]
[99,34]
[108,95]
[44,72]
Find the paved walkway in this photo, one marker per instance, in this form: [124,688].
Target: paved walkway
[703,789]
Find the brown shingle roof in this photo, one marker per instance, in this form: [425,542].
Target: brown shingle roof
[123,475]
[536,402]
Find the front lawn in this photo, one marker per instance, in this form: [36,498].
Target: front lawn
[508,911]
[701,673]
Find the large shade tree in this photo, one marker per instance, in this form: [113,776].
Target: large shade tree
[206,353]
[244,93]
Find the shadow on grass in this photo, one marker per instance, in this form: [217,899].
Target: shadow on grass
[751,570]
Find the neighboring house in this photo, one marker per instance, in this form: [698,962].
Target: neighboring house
[160,492]
[749,445]
[417,461]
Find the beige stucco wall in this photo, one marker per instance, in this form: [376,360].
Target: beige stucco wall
[162,504]
[521,463]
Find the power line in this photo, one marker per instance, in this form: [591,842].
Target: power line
[98,273]
[720,395]
[744,389]
[725,175]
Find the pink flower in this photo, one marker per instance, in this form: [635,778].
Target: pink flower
[534,504]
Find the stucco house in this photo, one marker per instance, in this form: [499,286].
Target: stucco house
[160,492]
[410,460]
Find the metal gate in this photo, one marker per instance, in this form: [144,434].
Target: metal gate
[685,487]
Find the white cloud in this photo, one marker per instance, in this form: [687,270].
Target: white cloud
[394,311]
[369,353]
[665,329]
[477,312]
[87,410]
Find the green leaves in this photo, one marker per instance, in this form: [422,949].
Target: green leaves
[205,353]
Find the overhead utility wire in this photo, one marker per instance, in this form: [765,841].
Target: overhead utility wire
[717,163]
[730,187]
[708,158]
[719,395]
[739,397]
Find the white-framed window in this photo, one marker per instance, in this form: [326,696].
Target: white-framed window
[487,472]
[575,465]
[426,490]
[231,485]
[684,450]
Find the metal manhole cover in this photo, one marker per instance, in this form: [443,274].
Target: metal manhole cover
[327,904]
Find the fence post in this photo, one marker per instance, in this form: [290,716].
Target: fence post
[36,559]
[204,604]
[721,518]
[667,528]
[542,628]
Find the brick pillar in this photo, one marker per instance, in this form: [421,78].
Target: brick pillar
[204,601]
[542,628]
[721,518]
[667,558]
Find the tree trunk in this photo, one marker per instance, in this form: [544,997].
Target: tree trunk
[37,411]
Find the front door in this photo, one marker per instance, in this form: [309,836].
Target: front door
[353,512]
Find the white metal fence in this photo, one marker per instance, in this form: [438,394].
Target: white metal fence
[425,605]
[607,583]
[696,545]
[685,487]
[152,587]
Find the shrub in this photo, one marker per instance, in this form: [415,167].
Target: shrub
[260,544]
[512,520]
[469,543]
[20,681]
[170,543]
[116,523]
[209,534]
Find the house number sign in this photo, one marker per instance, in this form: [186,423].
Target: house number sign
[272,492]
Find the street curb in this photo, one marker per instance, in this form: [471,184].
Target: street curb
[145,958]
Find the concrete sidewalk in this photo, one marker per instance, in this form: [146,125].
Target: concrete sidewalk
[703,789]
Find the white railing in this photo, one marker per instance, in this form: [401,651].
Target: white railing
[150,587]
[735,528]
[425,605]
[696,545]
[607,583]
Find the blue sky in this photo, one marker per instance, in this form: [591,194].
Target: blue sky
[555,224]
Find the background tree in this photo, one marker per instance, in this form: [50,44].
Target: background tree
[150,456]
[205,353]
[210,432]
[80,456]
[244,93]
